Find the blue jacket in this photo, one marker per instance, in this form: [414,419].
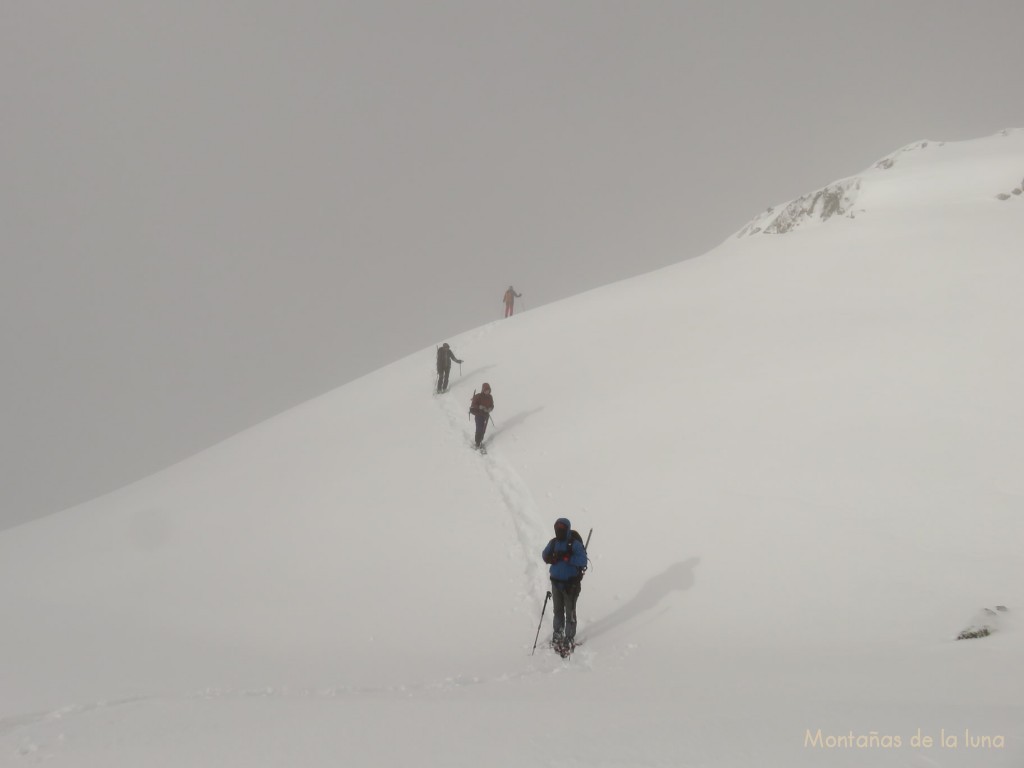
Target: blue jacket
[568,557]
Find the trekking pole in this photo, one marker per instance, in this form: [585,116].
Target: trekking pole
[546,598]
[460,370]
[586,544]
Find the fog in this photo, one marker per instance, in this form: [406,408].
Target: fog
[214,211]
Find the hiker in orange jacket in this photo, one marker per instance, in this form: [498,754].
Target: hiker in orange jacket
[510,300]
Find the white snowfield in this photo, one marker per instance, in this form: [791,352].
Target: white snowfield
[800,455]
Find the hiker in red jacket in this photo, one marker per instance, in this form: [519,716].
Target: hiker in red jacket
[510,300]
[481,407]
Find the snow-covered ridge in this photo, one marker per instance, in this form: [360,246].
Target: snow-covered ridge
[940,160]
[803,480]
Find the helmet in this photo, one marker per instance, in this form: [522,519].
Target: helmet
[486,387]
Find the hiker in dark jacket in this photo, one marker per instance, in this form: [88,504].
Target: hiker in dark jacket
[481,406]
[445,356]
[567,557]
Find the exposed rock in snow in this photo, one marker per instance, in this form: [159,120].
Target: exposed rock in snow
[834,200]
[857,194]
[1016,191]
[984,625]
[889,161]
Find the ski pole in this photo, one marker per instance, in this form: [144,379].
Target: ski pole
[546,598]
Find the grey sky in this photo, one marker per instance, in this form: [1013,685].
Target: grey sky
[212,211]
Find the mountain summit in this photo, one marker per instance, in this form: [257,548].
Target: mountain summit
[922,172]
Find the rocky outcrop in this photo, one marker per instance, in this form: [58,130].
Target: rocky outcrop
[837,199]
[840,198]
[984,624]
[889,161]
[1016,191]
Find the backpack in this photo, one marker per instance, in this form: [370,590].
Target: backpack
[574,536]
[475,408]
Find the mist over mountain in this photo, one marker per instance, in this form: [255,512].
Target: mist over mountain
[799,456]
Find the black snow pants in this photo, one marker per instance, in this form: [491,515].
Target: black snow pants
[563,601]
[442,377]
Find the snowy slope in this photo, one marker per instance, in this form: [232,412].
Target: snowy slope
[799,454]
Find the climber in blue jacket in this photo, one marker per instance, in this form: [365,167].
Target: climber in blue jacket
[567,556]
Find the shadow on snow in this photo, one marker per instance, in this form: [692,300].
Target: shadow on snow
[675,578]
